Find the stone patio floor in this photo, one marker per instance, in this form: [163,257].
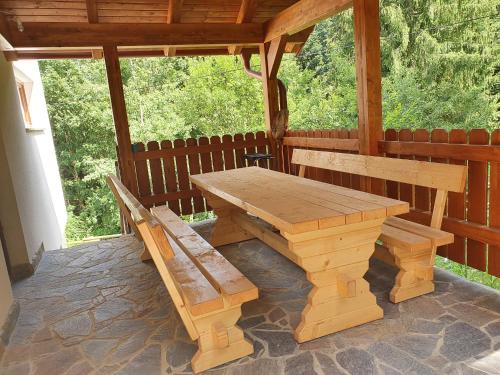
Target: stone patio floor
[96,309]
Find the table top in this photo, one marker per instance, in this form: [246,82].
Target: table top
[296,204]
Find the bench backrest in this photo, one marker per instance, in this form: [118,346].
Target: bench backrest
[443,177]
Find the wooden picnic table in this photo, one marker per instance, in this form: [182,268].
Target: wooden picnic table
[327,230]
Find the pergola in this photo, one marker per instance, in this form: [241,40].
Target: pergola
[39,29]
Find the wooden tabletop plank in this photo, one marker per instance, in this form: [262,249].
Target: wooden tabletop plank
[296,204]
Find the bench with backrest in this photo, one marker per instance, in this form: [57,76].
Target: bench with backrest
[408,245]
[205,288]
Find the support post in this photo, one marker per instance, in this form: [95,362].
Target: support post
[115,84]
[368,82]
[270,59]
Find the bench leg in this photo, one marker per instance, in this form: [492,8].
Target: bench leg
[340,299]
[416,274]
[220,340]
[145,255]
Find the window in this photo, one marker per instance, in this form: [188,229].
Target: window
[21,90]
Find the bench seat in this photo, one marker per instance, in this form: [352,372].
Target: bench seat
[205,288]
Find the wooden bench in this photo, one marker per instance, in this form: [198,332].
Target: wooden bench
[206,289]
[408,245]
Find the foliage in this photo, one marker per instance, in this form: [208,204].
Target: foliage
[440,68]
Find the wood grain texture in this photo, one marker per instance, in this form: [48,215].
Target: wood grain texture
[494,249]
[477,200]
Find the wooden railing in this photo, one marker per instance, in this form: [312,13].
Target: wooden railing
[163,168]
[473,216]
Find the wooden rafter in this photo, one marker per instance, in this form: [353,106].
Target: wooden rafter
[52,34]
[174,11]
[302,15]
[247,11]
[92,14]
[245,15]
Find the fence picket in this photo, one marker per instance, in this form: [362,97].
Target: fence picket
[262,149]
[439,136]
[422,194]
[476,202]
[239,152]
[194,168]
[392,187]
[217,160]
[170,177]
[156,172]
[182,172]
[494,250]
[228,151]
[141,169]
[406,190]
[456,203]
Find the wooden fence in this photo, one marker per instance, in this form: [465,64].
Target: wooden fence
[163,168]
[473,216]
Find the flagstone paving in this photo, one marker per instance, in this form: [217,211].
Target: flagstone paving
[96,309]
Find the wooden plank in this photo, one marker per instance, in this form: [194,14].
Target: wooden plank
[440,176]
[368,83]
[170,176]
[194,168]
[183,175]
[455,151]
[456,203]
[437,236]
[494,250]
[120,118]
[217,160]
[198,294]
[406,190]
[239,152]
[392,187]
[302,15]
[346,177]
[222,275]
[275,54]
[393,236]
[290,211]
[247,11]
[228,152]
[262,149]
[80,34]
[206,161]
[174,11]
[477,200]
[250,149]
[439,136]
[478,232]
[156,171]
[422,193]
[355,179]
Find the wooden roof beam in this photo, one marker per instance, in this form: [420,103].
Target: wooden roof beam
[92,15]
[245,15]
[302,15]
[174,11]
[61,34]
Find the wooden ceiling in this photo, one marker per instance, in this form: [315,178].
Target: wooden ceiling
[79,28]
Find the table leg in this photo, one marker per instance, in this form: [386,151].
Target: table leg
[225,230]
[335,265]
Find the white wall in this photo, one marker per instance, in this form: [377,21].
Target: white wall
[29,175]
